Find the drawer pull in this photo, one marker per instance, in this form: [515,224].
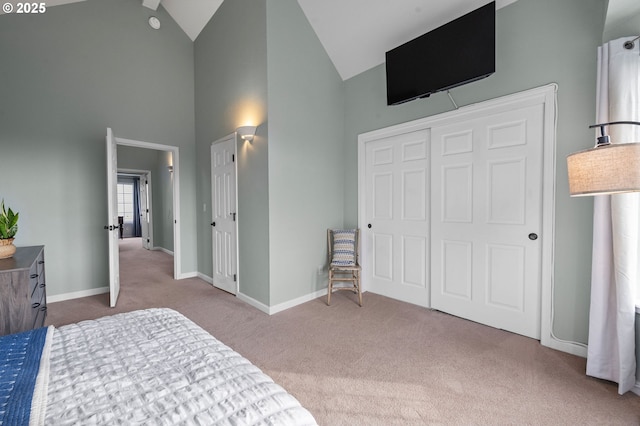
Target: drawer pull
[43,309]
[35,305]
[43,285]
[34,276]
[40,262]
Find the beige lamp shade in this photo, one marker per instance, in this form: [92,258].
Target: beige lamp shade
[605,169]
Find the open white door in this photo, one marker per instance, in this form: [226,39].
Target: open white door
[223,214]
[144,211]
[112,217]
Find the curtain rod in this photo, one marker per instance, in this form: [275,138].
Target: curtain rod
[629,44]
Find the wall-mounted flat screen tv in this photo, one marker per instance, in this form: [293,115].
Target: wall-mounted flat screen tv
[454,54]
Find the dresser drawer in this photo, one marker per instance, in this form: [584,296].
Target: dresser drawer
[23,298]
[40,267]
[34,282]
[36,279]
[39,312]
[37,291]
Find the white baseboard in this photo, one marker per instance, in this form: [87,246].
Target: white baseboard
[568,347]
[295,302]
[271,310]
[99,290]
[204,277]
[636,388]
[77,294]
[184,275]
[246,299]
[253,302]
[169,252]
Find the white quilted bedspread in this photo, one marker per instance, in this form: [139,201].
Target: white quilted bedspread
[157,367]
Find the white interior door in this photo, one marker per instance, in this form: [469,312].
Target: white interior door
[112,217]
[396,240]
[223,215]
[144,211]
[486,219]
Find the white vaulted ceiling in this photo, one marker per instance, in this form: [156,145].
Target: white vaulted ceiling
[191,15]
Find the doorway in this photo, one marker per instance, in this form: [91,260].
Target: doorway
[167,167]
[135,206]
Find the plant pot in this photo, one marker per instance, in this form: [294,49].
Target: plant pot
[7,249]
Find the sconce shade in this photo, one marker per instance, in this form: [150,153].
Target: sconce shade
[606,169]
[246,132]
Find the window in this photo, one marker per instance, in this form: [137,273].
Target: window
[125,201]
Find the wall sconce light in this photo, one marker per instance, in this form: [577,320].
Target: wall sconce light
[246,132]
[605,169]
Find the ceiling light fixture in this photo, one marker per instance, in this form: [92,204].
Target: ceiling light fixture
[607,168]
[154,23]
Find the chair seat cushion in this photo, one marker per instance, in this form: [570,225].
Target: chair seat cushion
[344,248]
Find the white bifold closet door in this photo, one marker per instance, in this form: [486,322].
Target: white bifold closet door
[486,218]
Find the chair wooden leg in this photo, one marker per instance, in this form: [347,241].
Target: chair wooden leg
[354,277]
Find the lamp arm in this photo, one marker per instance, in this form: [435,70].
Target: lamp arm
[603,139]
[614,122]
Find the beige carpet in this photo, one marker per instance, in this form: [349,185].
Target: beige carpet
[387,363]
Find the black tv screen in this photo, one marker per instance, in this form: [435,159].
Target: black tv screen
[454,54]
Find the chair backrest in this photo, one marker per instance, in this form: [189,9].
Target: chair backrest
[331,241]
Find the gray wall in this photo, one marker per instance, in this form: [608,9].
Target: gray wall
[306,166]
[538,42]
[82,67]
[68,75]
[630,27]
[290,177]
[231,91]
[161,189]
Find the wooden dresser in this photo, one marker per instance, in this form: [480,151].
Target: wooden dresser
[23,299]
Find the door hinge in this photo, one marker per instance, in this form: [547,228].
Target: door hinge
[235,277]
[234,216]
[233,158]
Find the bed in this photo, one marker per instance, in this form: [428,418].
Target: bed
[151,366]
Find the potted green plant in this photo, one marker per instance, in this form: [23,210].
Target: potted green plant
[8,230]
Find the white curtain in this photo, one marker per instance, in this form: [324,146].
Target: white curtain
[616,228]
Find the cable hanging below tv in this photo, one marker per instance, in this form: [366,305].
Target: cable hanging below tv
[457,53]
